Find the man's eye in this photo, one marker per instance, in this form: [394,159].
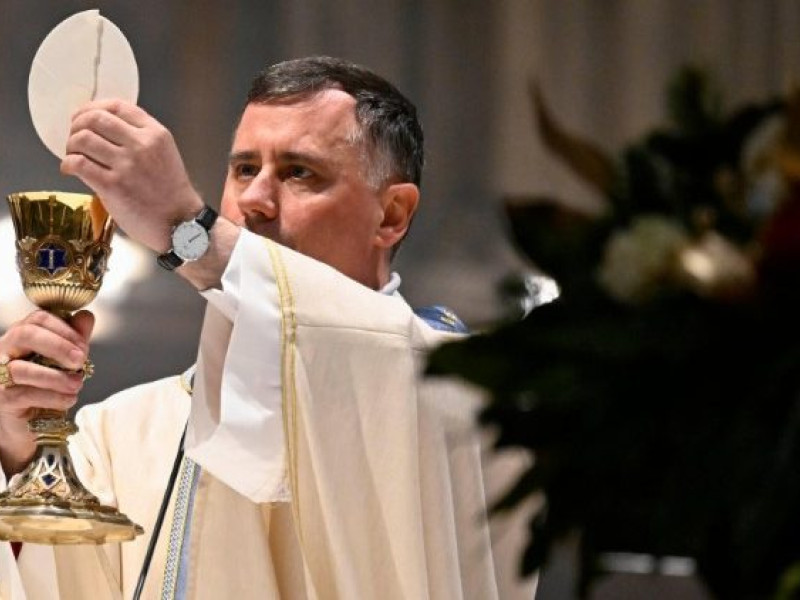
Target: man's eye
[245,171]
[297,172]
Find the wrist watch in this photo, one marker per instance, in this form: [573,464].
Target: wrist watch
[190,240]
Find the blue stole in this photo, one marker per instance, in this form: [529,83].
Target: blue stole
[177,564]
[441,318]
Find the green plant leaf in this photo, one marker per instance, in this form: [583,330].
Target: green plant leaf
[563,242]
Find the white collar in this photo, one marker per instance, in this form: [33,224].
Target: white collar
[391,287]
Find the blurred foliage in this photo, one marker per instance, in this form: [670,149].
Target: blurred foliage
[659,392]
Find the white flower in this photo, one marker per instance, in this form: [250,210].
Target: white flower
[641,261]
[716,268]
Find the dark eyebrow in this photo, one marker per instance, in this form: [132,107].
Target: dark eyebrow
[244,155]
[303,157]
[312,159]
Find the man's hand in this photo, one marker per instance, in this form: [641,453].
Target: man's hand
[131,161]
[36,386]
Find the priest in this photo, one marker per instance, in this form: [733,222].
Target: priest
[312,459]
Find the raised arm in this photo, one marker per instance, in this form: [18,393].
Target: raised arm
[131,161]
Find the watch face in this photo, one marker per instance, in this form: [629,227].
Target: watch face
[190,240]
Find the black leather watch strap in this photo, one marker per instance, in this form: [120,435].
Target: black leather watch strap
[207,217]
[170,260]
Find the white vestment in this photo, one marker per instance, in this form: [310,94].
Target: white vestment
[328,467]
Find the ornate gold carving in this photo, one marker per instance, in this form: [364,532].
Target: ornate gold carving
[63,247]
[6,381]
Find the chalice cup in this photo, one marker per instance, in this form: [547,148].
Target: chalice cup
[62,252]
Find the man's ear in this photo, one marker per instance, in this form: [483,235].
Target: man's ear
[400,202]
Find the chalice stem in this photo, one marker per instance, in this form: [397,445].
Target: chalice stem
[50,475]
[48,504]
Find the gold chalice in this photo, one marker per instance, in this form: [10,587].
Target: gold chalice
[62,252]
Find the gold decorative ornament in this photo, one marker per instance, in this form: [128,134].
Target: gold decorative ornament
[88,369]
[6,381]
[62,253]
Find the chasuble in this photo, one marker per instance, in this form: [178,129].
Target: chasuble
[319,463]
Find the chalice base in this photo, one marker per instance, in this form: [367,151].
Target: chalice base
[47,504]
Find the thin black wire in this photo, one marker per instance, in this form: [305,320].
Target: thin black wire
[159,520]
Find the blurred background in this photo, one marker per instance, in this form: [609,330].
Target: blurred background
[467,64]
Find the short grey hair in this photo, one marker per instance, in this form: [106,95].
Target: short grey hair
[389,130]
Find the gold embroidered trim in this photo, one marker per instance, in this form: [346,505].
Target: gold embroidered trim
[185,380]
[288,390]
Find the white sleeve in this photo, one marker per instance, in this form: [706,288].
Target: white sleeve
[236,424]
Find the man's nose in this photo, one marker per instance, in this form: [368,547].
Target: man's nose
[260,197]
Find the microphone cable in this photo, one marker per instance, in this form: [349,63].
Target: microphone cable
[148,558]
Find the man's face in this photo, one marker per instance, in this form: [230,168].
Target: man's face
[296,176]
